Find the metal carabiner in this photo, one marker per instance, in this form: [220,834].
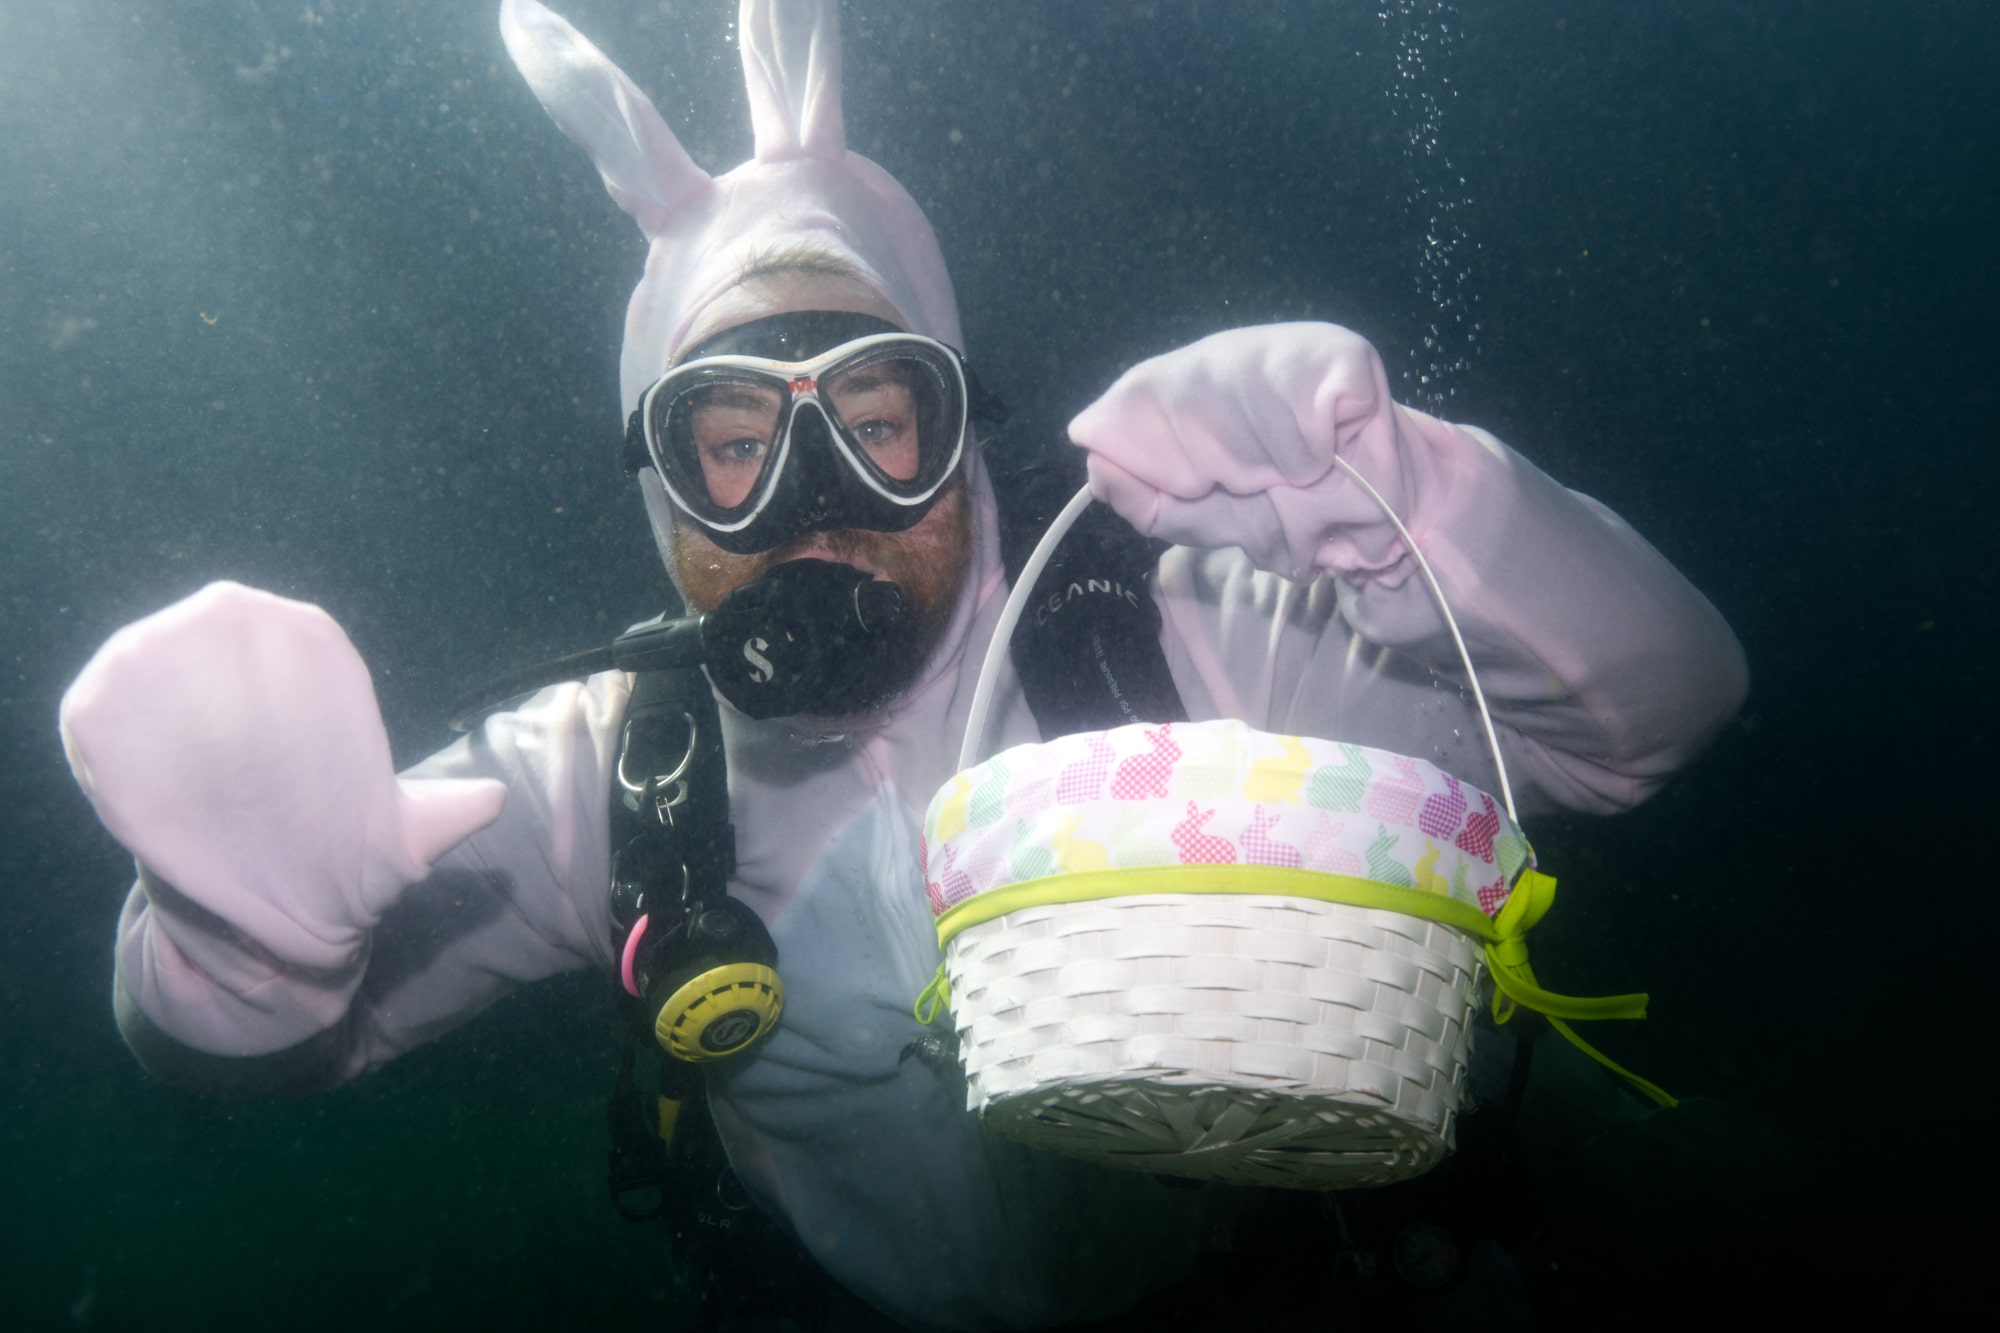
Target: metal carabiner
[647,790]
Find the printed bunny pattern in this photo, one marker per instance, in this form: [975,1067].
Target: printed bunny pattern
[1216,793]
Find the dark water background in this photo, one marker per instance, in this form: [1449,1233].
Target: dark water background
[1734,276]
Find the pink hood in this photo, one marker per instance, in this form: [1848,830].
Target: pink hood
[802,188]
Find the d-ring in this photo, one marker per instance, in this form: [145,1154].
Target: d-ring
[641,787]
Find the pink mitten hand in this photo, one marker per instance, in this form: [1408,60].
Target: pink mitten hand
[233,744]
[1231,441]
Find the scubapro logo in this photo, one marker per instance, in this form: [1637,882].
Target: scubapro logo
[761,669]
[730,1031]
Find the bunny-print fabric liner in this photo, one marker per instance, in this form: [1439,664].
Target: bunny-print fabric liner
[1216,793]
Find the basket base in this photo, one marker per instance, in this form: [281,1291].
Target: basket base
[1224,1134]
[1244,1038]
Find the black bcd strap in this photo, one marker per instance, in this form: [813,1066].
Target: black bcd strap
[674,847]
[1087,649]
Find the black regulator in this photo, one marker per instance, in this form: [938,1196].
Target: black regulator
[808,637]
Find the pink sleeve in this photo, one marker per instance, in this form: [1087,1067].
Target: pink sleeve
[1606,670]
[522,899]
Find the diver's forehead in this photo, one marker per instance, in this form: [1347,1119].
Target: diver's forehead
[784,292]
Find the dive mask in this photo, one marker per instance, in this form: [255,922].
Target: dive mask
[807,422]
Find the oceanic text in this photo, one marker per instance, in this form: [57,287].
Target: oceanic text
[1062,597]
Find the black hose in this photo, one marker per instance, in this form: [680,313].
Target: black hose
[517,684]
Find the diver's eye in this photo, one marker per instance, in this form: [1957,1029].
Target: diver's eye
[875,433]
[728,427]
[891,443]
[879,411]
[731,469]
[744,449]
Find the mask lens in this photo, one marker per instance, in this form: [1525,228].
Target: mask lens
[721,428]
[720,434]
[900,413]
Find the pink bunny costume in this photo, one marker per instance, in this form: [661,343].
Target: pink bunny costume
[299,923]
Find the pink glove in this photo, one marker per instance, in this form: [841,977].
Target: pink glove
[1231,442]
[233,744]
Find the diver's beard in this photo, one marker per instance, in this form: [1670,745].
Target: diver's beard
[928,562]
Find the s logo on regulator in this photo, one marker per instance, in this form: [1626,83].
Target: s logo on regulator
[761,668]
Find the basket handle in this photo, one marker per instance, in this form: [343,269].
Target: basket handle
[1010,616]
[1017,601]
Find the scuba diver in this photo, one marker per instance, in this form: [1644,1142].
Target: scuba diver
[803,426]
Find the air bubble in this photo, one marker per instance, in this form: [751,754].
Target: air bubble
[1425,36]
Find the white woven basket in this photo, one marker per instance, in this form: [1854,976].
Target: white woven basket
[1126,989]
[1255,1040]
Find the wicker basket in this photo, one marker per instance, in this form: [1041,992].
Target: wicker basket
[1261,1039]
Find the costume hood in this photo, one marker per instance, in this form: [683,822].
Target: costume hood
[801,189]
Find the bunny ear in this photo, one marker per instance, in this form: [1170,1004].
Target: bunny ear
[791,63]
[644,166]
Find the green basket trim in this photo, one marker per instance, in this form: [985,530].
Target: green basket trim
[1268,881]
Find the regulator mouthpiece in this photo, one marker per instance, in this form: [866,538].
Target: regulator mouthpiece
[811,637]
